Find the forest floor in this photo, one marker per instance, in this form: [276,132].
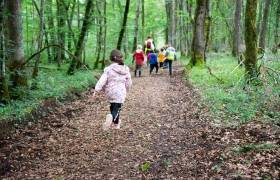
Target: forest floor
[165,134]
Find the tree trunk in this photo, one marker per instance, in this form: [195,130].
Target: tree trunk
[50,31]
[99,35]
[135,39]
[198,42]
[143,20]
[264,24]
[171,22]
[123,24]
[61,15]
[237,29]
[277,27]
[14,45]
[189,27]
[207,26]
[104,34]
[4,91]
[80,43]
[250,40]
[259,16]
[40,38]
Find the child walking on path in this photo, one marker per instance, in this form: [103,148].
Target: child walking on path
[138,57]
[161,58]
[153,60]
[115,82]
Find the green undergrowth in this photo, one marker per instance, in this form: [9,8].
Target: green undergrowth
[232,100]
[254,147]
[51,83]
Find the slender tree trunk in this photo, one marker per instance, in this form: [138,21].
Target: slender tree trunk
[143,20]
[259,16]
[50,31]
[237,29]
[61,15]
[4,91]
[189,27]
[198,42]
[168,19]
[277,27]
[264,24]
[171,22]
[207,26]
[135,39]
[125,45]
[80,43]
[98,36]
[14,43]
[40,38]
[78,14]
[123,24]
[104,34]
[251,40]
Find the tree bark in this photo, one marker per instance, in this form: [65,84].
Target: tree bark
[50,31]
[4,91]
[259,19]
[198,42]
[80,43]
[264,24]
[237,29]
[171,22]
[105,33]
[99,34]
[135,39]
[189,27]
[14,45]
[143,20]
[123,24]
[40,38]
[61,15]
[250,40]
[207,26]
[277,27]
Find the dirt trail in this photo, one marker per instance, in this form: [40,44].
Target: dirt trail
[164,135]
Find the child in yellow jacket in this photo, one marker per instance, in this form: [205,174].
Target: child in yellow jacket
[161,58]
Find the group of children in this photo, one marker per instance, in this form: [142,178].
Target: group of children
[155,59]
[116,79]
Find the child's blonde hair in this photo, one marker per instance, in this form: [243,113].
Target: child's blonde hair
[139,47]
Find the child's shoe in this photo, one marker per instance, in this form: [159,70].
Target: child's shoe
[117,126]
[108,122]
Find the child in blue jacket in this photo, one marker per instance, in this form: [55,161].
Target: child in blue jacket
[153,60]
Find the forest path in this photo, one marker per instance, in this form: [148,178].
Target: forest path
[164,135]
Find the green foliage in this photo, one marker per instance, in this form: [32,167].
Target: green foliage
[234,101]
[50,84]
[254,147]
[145,167]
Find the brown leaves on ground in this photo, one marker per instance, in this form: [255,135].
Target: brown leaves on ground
[165,134]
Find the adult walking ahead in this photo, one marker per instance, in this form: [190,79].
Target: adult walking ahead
[149,45]
[170,57]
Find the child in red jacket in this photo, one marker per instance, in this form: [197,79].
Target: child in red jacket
[138,57]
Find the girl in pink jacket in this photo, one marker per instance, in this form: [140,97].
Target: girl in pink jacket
[115,82]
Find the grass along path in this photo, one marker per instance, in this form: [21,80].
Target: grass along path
[165,134]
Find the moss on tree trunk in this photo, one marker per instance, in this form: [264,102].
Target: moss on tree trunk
[251,40]
[198,42]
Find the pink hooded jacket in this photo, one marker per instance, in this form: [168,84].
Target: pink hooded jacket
[115,82]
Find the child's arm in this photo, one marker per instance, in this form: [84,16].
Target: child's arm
[101,82]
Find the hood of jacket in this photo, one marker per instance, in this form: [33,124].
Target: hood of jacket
[139,51]
[120,69]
